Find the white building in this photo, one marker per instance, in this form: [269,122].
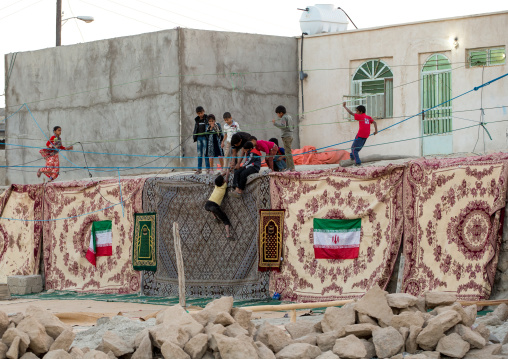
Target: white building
[400,70]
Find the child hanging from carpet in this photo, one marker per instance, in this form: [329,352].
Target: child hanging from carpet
[214,149]
[252,165]
[50,154]
[269,148]
[364,122]
[215,200]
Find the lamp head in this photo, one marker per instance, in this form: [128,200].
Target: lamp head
[87,19]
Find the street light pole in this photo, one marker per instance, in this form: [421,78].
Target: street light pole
[58,22]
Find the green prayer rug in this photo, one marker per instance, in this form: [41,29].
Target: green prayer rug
[144,251]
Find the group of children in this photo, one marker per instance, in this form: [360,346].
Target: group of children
[242,153]
[252,148]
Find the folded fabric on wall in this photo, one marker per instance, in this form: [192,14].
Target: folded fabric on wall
[144,248]
[270,233]
[370,193]
[20,240]
[66,241]
[214,266]
[452,210]
[312,157]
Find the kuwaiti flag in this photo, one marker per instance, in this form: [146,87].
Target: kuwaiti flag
[101,241]
[337,238]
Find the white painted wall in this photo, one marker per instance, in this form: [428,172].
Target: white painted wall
[331,60]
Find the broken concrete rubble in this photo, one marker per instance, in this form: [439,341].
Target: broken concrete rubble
[395,327]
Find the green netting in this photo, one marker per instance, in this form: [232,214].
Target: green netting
[135,298]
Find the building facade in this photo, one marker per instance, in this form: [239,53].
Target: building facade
[400,71]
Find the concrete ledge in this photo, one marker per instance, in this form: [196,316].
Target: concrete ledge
[24,284]
[4,291]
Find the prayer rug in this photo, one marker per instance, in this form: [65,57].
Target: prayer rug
[67,239]
[271,231]
[144,249]
[20,240]
[452,216]
[373,194]
[101,241]
[214,266]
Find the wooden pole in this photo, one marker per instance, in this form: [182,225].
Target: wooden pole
[285,307]
[179,264]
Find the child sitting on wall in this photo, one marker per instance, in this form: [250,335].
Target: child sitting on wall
[252,165]
[215,200]
[279,161]
[269,148]
[364,122]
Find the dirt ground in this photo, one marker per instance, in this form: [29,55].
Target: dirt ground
[83,313]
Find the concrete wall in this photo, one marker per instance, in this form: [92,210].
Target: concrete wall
[143,86]
[405,48]
[266,76]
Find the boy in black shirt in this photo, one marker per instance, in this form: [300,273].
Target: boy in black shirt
[252,165]
[199,136]
[238,140]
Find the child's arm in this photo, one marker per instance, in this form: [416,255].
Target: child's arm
[224,140]
[280,123]
[375,127]
[347,109]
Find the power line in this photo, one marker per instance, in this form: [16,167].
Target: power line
[116,13]
[146,13]
[26,7]
[188,17]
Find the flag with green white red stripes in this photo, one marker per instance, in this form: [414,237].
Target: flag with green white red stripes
[101,241]
[337,238]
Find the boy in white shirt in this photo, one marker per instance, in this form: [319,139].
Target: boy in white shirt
[230,128]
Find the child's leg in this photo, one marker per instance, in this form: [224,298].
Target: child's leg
[211,162]
[221,161]
[227,154]
[201,142]
[289,156]
[242,180]
[236,176]
[357,146]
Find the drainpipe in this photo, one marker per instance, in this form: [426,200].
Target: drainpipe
[303,75]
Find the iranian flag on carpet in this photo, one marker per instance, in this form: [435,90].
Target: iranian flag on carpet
[337,238]
[100,241]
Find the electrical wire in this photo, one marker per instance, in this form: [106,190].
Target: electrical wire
[75,20]
[26,7]
[188,17]
[116,13]
[146,13]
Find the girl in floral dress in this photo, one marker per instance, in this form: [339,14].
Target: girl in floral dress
[54,144]
[214,149]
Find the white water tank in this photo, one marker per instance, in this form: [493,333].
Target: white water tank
[323,18]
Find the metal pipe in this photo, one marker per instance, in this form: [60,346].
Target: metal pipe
[302,74]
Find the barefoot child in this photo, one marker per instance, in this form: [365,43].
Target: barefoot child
[215,200]
[252,165]
[54,144]
[214,149]
[363,133]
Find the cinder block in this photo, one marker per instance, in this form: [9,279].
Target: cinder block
[33,280]
[16,280]
[36,288]
[15,290]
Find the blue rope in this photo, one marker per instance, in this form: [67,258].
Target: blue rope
[120,186]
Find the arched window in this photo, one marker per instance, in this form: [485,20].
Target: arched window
[372,86]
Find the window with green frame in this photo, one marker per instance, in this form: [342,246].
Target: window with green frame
[374,78]
[491,56]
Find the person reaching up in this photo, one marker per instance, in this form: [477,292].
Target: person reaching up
[364,122]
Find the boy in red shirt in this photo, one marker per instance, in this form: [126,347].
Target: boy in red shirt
[269,148]
[363,133]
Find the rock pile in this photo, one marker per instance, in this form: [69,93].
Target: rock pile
[379,325]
